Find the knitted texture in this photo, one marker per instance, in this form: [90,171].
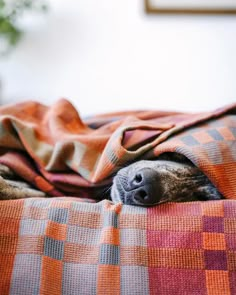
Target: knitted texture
[66,245]
[58,153]
[61,246]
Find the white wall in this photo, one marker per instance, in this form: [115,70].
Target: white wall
[109,55]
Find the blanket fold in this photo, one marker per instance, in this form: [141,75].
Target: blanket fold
[70,156]
[68,243]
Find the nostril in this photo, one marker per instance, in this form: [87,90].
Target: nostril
[138,178]
[143,194]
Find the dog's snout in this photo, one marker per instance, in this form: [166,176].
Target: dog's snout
[148,183]
[143,186]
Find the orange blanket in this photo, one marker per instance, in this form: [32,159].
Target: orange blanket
[61,245]
[61,154]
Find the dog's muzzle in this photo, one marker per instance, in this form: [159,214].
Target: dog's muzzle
[141,188]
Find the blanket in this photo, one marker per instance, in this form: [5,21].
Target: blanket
[73,242]
[62,246]
[57,152]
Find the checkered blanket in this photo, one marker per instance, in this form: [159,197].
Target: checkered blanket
[61,245]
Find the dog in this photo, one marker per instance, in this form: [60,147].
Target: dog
[169,178]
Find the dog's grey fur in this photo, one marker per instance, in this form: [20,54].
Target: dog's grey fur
[13,187]
[170,177]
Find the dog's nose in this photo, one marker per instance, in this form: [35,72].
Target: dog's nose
[144,187]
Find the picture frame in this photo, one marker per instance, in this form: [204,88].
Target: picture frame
[191,6]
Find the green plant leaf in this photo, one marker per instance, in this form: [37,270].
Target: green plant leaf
[10,12]
[2,4]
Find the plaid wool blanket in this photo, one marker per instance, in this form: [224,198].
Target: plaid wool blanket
[61,246]
[64,244]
